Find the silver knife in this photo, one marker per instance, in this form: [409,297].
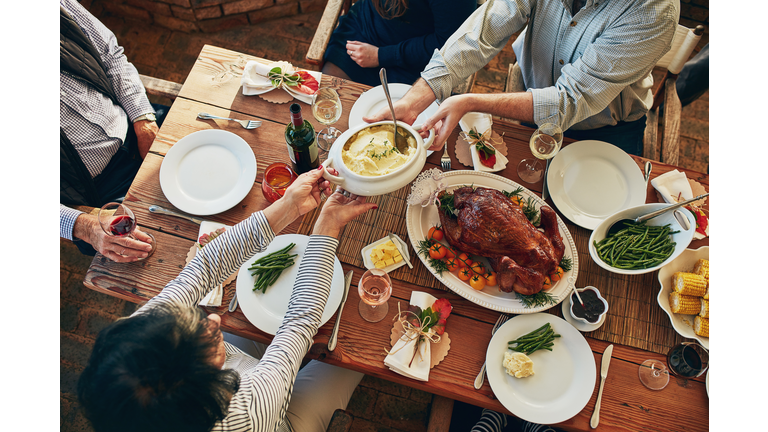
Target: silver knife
[544,191]
[233,303]
[405,256]
[333,339]
[159,210]
[603,374]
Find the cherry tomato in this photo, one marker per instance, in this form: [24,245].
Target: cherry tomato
[477,282]
[465,273]
[464,260]
[450,252]
[451,263]
[556,275]
[437,251]
[478,268]
[435,233]
[490,278]
[547,283]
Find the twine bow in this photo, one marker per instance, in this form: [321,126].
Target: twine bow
[414,332]
[473,137]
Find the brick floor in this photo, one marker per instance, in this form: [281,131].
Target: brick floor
[377,405]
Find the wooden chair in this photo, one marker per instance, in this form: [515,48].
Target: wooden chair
[328,22]
[160,88]
[439,417]
[682,46]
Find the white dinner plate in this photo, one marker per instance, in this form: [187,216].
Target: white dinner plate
[420,219]
[563,379]
[208,172]
[591,180]
[371,101]
[266,310]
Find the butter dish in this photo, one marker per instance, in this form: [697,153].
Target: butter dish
[368,261]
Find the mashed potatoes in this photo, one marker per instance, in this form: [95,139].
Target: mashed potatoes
[373,153]
[518,364]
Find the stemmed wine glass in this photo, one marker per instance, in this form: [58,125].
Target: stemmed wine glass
[687,360]
[374,288]
[326,107]
[118,220]
[545,143]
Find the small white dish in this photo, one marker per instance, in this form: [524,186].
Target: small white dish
[366,252]
[599,296]
[682,239]
[580,326]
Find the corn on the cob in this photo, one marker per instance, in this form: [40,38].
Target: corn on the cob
[689,284]
[704,312]
[706,296]
[701,326]
[682,304]
[702,268]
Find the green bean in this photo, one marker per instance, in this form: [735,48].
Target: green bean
[541,338]
[637,246]
[268,268]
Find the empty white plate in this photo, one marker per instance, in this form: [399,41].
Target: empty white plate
[208,172]
[591,180]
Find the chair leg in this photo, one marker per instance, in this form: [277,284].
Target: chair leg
[340,422]
[670,147]
[651,137]
[440,414]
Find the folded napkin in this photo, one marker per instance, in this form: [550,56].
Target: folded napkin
[255,80]
[214,297]
[481,122]
[671,185]
[403,351]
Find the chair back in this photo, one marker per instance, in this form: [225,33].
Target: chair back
[683,43]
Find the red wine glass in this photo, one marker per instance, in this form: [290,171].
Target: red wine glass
[118,220]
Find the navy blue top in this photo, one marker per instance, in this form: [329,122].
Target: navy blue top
[405,43]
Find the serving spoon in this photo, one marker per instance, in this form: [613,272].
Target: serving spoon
[400,141]
[624,223]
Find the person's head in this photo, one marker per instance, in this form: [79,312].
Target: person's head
[390,9]
[158,370]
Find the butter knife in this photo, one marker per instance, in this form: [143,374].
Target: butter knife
[397,244]
[233,303]
[333,339]
[156,209]
[603,374]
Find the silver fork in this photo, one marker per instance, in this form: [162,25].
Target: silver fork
[248,124]
[445,160]
[481,376]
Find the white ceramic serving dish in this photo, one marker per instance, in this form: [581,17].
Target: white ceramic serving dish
[682,238]
[683,324]
[366,252]
[599,296]
[376,185]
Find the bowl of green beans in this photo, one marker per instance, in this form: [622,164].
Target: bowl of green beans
[640,248]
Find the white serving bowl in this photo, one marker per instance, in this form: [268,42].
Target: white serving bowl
[376,185]
[682,238]
[683,324]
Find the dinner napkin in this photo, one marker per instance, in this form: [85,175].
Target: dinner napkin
[402,351]
[481,122]
[214,297]
[255,81]
[671,185]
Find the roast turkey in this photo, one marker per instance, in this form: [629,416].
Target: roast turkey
[488,224]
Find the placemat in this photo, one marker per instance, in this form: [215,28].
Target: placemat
[634,316]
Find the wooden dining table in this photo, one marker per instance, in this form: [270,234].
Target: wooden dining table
[213,86]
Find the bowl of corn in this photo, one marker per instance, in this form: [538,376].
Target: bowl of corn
[684,294]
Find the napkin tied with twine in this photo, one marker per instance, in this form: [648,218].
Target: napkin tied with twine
[673,187]
[259,78]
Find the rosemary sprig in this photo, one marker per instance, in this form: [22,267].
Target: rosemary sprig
[566,264]
[440,266]
[446,206]
[541,298]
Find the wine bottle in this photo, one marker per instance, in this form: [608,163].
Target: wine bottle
[302,142]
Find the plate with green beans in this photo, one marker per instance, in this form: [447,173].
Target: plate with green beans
[564,372]
[265,283]
[640,248]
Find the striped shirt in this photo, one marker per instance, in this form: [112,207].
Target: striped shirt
[265,385]
[94,125]
[585,71]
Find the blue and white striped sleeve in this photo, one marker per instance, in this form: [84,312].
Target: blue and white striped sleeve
[67,218]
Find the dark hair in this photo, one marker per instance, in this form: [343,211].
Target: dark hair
[153,372]
[390,9]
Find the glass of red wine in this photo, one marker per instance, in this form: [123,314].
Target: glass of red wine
[688,360]
[118,220]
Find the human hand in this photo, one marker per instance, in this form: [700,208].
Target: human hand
[416,100]
[365,55]
[146,131]
[445,120]
[307,191]
[338,210]
[118,249]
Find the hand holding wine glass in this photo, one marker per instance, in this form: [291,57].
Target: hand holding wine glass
[123,241]
[326,107]
[545,143]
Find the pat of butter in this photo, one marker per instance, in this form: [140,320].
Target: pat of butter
[518,364]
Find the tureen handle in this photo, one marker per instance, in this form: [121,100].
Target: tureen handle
[430,139]
[330,177]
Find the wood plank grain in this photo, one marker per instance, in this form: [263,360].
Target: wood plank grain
[324,30]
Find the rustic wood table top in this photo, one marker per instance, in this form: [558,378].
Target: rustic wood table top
[213,86]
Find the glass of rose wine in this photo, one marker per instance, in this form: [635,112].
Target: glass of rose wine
[545,143]
[118,220]
[326,107]
[374,288]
